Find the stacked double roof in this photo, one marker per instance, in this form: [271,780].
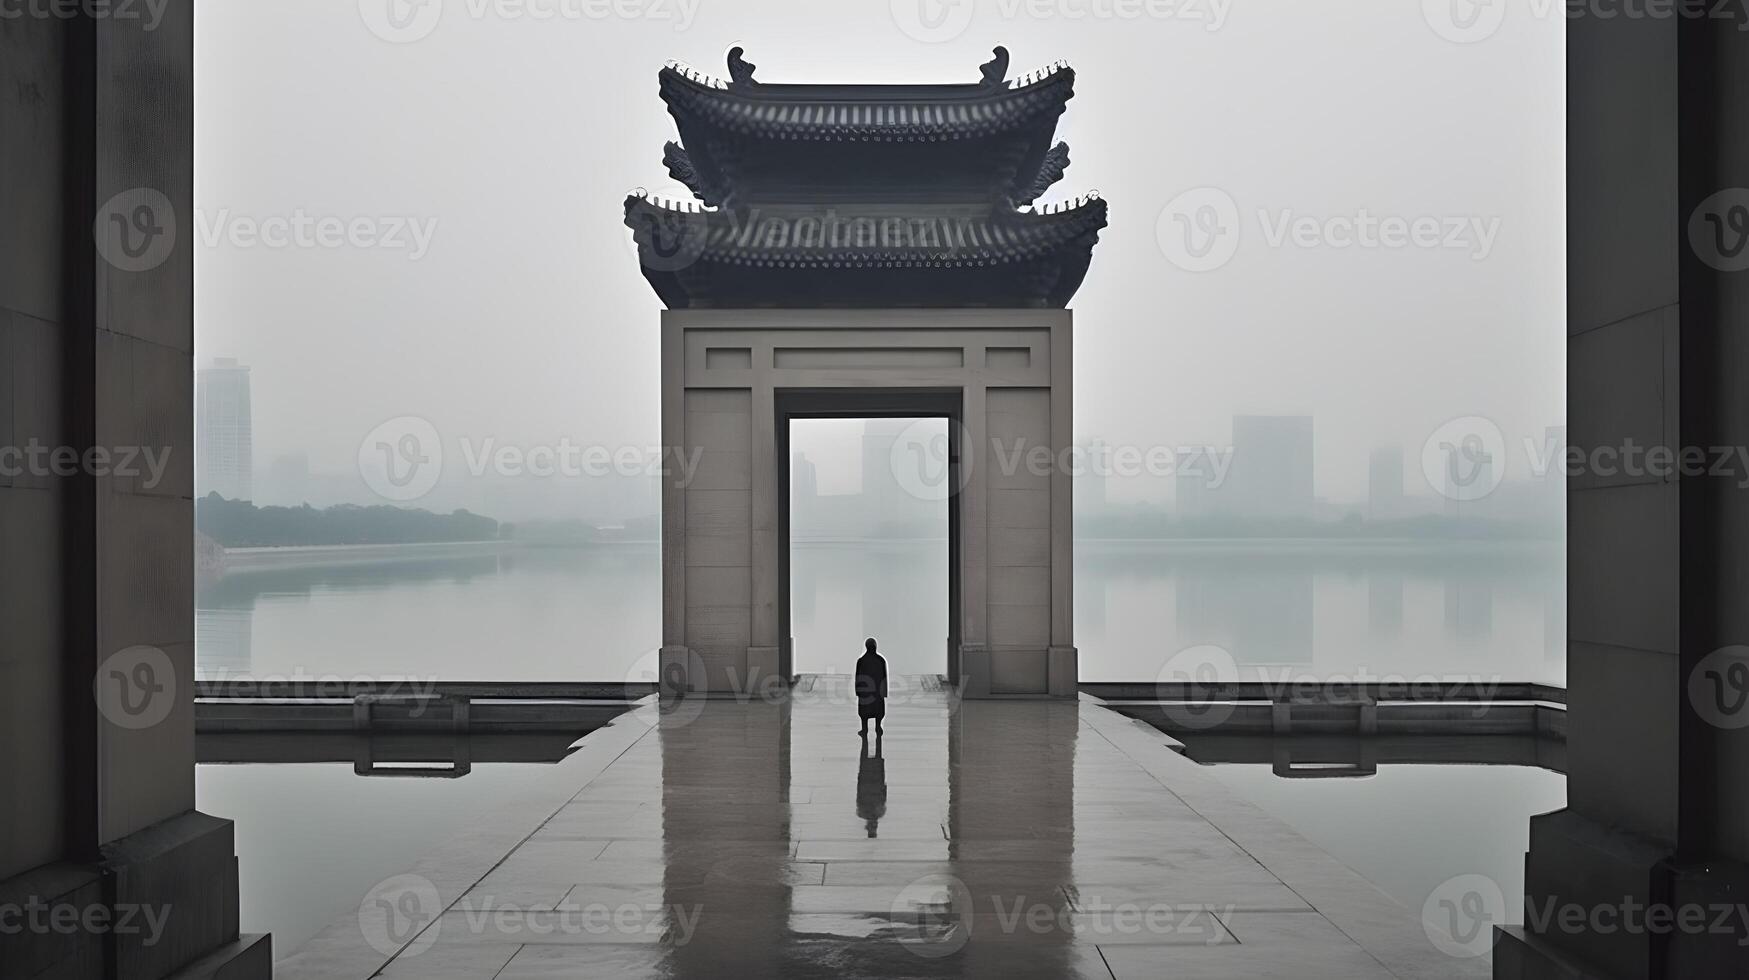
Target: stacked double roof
[865,195]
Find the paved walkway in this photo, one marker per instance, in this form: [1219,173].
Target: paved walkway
[987,839]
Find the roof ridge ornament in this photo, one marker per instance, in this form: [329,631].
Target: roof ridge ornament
[1034,77]
[740,69]
[996,69]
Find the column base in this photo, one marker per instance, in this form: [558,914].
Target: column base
[1065,672]
[676,673]
[1520,955]
[248,958]
[1721,948]
[1032,674]
[1589,888]
[974,671]
[765,671]
[1574,863]
[159,902]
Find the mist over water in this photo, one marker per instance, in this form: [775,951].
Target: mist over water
[594,615]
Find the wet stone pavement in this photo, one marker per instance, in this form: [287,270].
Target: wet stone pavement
[975,839]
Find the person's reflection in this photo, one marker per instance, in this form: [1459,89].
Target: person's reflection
[871,787]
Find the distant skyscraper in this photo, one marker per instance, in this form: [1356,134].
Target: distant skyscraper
[1385,484]
[1271,473]
[224,450]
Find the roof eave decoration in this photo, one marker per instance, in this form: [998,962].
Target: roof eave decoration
[902,113]
[1049,172]
[740,70]
[679,242]
[995,71]
[680,167]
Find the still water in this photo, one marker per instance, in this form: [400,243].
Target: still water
[1430,824]
[1286,609]
[313,839]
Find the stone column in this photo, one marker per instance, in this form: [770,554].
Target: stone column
[1658,219]
[96,324]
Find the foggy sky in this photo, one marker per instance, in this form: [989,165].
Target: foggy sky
[526,320]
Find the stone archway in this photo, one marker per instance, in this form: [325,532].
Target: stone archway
[731,381]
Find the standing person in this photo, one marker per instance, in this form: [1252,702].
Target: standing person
[871,687]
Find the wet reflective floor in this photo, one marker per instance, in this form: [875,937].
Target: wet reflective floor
[974,839]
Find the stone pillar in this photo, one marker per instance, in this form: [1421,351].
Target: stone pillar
[1658,218]
[97,667]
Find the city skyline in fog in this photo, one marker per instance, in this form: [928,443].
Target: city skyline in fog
[517,315]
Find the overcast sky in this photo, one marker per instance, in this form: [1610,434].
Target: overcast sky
[511,307]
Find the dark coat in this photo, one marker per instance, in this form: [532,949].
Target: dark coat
[871,686]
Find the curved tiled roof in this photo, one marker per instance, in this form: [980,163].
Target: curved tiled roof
[815,240]
[898,113]
[877,196]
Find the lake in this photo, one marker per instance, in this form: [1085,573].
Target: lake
[1268,609]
